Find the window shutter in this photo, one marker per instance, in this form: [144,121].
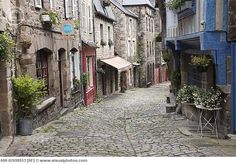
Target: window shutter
[90,19]
[38,3]
[68,8]
[53,4]
[75,9]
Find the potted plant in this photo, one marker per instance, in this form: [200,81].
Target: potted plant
[49,17]
[27,93]
[6,47]
[76,84]
[85,79]
[208,99]
[185,94]
[176,4]
[201,62]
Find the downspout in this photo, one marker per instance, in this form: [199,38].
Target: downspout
[95,60]
[80,52]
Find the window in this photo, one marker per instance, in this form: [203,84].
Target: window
[38,3]
[74,67]
[42,69]
[129,48]
[101,32]
[146,24]
[90,25]
[83,23]
[90,71]
[71,9]
[134,48]
[53,5]
[147,49]
[130,26]
[109,32]
[150,47]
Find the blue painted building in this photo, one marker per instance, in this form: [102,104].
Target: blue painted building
[199,27]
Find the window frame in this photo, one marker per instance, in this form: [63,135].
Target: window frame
[38,4]
[42,59]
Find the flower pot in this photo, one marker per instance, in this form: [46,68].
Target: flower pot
[26,126]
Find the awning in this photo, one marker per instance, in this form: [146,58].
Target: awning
[118,62]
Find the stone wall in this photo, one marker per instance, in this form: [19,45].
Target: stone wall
[145,37]
[47,40]
[6,72]
[106,51]
[122,37]
[232,20]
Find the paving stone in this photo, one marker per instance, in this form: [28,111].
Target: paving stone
[131,124]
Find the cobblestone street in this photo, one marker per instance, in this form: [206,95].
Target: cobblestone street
[131,124]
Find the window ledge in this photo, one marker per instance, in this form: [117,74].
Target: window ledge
[45,104]
[226,89]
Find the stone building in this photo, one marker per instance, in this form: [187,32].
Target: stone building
[199,28]
[88,52]
[125,42]
[45,53]
[6,72]
[107,75]
[232,60]
[145,11]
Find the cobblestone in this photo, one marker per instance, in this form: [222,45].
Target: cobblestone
[129,124]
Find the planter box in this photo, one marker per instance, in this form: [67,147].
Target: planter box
[45,18]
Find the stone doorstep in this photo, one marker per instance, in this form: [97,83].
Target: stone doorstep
[170,108]
[5,142]
[232,136]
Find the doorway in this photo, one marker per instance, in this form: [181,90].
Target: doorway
[61,63]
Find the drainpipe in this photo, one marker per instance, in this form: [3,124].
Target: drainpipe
[81,61]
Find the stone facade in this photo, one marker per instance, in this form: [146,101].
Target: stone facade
[47,42]
[107,81]
[6,72]
[232,20]
[146,42]
[125,42]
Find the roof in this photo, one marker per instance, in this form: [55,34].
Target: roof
[104,11]
[138,3]
[118,62]
[124,10]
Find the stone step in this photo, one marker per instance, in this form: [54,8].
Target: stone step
[170,108]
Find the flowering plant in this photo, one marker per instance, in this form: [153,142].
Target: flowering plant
[185,94]
[200,60]
[208,98]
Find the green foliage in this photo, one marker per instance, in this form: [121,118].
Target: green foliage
[185,94]
[159,38]
[175,4]
[166,56]
[210,98]
[176,78]
[27,92]
[6,47]
[85,79]
[200,60]
[76,84]
[53,16]
[77,24]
